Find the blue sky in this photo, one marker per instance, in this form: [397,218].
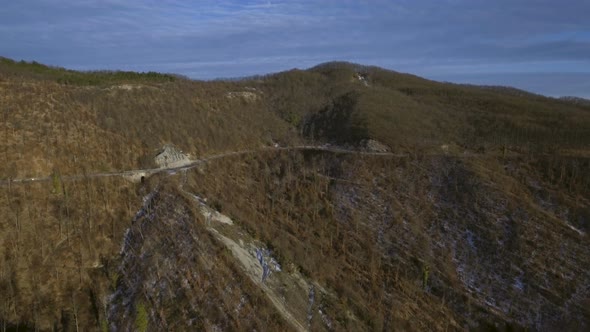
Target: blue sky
[538,45]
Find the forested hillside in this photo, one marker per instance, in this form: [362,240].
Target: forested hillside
[358,198]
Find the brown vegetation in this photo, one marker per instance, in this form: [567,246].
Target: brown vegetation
[483,224]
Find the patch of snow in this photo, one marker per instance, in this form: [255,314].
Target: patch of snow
[251,265]
[310,305]
[518,283]
[325,319]
[470,240]
[125,241]
[267,262]
[147,200]
[575,229]
[240,305]
[489,303]
[275,265]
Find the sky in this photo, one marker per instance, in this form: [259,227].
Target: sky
[541,46]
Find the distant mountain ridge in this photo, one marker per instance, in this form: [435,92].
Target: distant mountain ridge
[576,100]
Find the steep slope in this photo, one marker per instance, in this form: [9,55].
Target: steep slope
[406,111]
[120,122]
[458,242]
[174,275]
[56,241]
[478,219]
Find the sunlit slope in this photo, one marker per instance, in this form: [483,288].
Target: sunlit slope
[403,110]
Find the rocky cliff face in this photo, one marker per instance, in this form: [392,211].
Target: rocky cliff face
[170,156]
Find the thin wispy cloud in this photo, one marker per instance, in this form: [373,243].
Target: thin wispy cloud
[473,40]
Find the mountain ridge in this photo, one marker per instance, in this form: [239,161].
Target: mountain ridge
[477,217]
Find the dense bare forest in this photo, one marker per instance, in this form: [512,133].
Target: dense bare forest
[426,205]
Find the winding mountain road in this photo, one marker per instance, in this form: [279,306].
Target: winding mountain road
[195,163]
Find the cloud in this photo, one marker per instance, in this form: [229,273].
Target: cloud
[209,38]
